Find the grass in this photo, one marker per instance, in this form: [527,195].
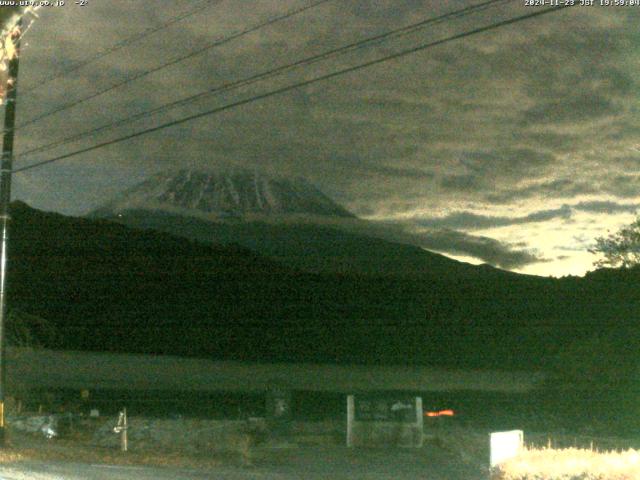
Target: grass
[613,461]
[10,456]
[169,448]
[455,445]
[27,447]
[570,464]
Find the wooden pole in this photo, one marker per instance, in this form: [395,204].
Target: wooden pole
[6,168]
[124,440]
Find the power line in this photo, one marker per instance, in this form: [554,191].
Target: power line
[193,53]
[273,72]
[296,85]
[123,44]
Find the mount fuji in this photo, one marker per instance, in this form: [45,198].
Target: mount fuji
[234,194]
[288,220]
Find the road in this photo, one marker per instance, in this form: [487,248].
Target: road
[307,463]
[75,471]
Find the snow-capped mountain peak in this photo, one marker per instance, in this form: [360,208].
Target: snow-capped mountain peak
[233,193]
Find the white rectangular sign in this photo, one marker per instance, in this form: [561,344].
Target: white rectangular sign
[505,445]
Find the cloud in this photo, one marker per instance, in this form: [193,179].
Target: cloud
[624,186]
[541,111]
[508,161]
[473,221]
[583,107]
[466,220]
[558,188]
[487,249]
[450,116]
[608,207]
[442,240]
[464,183]
[401,172]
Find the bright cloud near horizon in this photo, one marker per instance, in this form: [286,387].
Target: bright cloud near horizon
[515,147]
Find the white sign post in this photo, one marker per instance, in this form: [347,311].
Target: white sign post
[121,428]
[505,445]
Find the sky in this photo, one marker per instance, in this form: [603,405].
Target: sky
[515,147]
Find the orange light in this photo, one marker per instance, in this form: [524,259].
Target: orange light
[441,413]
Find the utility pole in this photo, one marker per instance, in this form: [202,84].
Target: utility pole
[6,167]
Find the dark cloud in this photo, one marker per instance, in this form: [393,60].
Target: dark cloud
[402,172]
[487,249]
[507,162]
[557,142]
[630,162]
[606,207]
[541,110]
[560,188]
[464,183]
[614,80]
[472,221]
[584,107]
[624,186]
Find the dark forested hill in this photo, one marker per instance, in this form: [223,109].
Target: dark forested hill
[112,288]
[313,247]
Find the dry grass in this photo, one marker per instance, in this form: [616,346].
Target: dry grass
[570,464]
[471,447]
[10,455]
[24,447]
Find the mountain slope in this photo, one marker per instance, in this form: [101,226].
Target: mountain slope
[107,287]
[224,195]
[307,246]
[378,299]
[289,221]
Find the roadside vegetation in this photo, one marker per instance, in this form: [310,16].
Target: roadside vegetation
[570,464]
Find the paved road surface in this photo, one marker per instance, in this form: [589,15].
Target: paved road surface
[74,471]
